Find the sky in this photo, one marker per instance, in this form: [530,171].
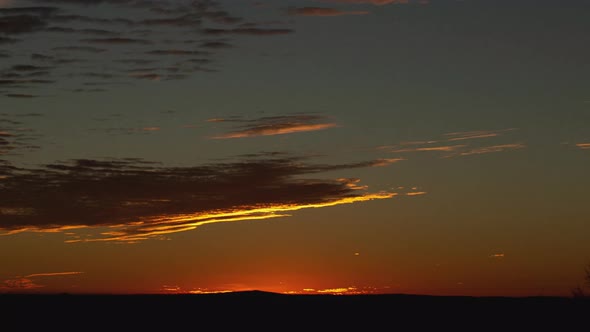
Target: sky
[434,147]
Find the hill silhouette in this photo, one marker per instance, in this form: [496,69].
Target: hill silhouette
[260,309]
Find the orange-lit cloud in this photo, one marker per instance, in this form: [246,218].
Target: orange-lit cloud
[460,136]
[275,125]
[28,282]
[416,193]
[322,11]
[130,200]
[583,146]
[450,150]
[494,148]
[497,255]
[445,148]
[351,290]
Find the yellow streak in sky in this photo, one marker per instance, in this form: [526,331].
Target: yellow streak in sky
[416,193]
[583,146]
[167,224]
[446,148]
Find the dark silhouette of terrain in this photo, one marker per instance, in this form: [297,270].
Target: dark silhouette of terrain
[270,311]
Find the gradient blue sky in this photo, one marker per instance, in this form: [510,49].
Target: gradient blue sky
[132,132]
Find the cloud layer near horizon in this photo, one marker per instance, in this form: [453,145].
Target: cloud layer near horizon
[136,199]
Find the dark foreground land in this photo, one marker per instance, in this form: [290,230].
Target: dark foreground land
[277,312]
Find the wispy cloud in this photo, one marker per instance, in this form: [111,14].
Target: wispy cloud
[444,148]
[130,200]
[493,148]
[274,125]
[31,281]
[323,11]
[467,135]
[471,143]
[583,146]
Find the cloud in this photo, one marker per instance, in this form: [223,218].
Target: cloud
[447,144]
[583,146]
[322,11]
[7,40]
[15,137]
[466,135]
[275,125]
[116,41]
[372,2]
[29,282]
[493,148]
[176,52]
[130,200]
[80,49]
[130,24]
[248,31]
[19,24]
[20,95]
[444,148]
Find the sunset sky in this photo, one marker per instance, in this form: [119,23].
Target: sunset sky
[320,146]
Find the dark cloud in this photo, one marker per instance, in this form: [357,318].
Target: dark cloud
[91,20]
[20,95]
[15,137]
[98,32]
[322,11]
[274,125]
[248,31]
[27,68]
[23,82]
[7,40]
[216,44]
[18,24]
[126,25]
[39,11]
[41,57]
[189,20]
[176,52]
[374,2]
[139,62]
[138,199]
[116,41]
[88,49]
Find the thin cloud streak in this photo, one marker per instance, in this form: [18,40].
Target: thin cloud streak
[276,125]
[467,147]
[583,146]
[466,135]
[493,148]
